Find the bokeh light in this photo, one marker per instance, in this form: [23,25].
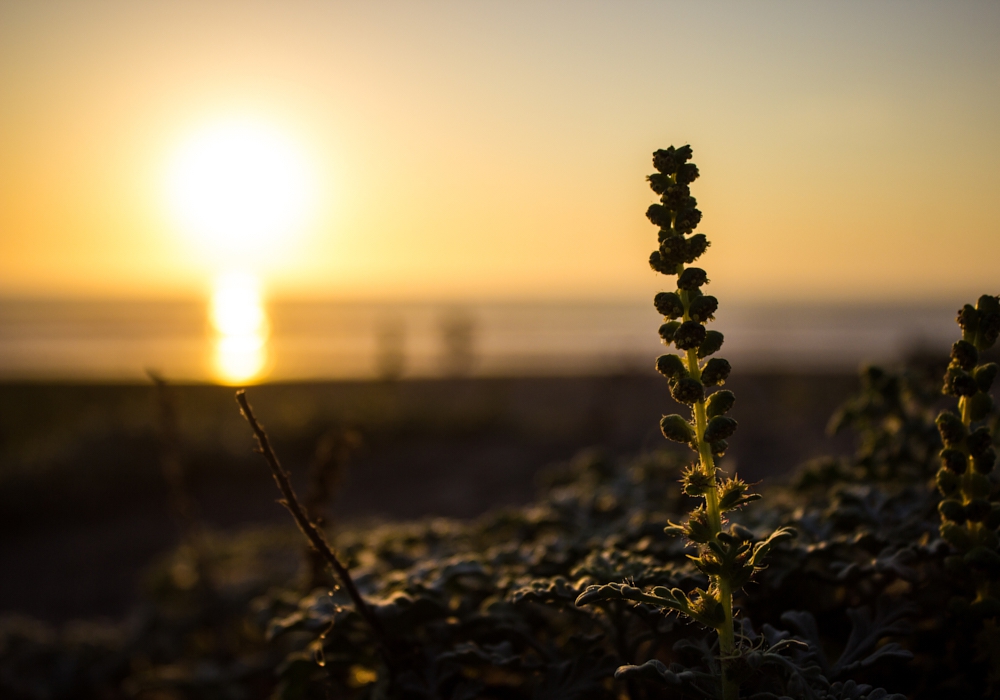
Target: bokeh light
[241,328]
[240,188]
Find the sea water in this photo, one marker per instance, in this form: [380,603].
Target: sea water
[122,340]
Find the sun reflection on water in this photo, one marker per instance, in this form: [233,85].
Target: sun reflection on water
[241,329]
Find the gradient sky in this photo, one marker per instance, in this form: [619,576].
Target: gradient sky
[849,150]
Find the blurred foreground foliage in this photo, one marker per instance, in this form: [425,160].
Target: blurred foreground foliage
[863,599]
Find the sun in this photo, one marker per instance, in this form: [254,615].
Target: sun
[244,191]
[240,187]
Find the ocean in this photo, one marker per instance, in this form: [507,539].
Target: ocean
[119,341]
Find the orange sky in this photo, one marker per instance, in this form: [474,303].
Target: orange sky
[498,149]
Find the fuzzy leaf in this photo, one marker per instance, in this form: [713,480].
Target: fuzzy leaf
[686,682]
[761,549]
[862,648]
[597,593]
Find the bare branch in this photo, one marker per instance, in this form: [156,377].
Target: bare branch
[315,536]
[182,503]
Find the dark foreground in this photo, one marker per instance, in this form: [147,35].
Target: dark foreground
[84,506]
[213,594]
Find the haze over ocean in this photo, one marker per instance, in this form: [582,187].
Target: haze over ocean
[119,341]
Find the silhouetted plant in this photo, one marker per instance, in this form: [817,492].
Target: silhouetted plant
[970,510]
[892,417]
[726,554]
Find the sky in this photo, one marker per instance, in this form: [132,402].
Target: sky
[849,151]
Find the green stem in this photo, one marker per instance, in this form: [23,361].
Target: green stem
[963,401]
[705,450]
[730,689]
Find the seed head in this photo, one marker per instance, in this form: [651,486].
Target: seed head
[696,482]
[977,509]
[711,344]
[979,441]
[658,182]
[951,428]
[659,215]
[983,462]
[671,366]
[968,319]
[964,355]
[673,250]
[687,220]
[716,372]
[720,428]
[687,173]
[703,308]
[694,247]
[733,494]
[953,460]
[687,391]
[664,267]
[952,510]
[692,278]
[675,428]
[988,304]
[976,485]
[947,482]
[958,382]
[984,375]
[669,304]
[676,196]
[989,330]
[667,161]
[668,331]
[698,529]
[719,403]
[689,335]
[980,405]
[956,535]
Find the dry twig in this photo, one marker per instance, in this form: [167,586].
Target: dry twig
[324,475]
[315,536]
[182,503]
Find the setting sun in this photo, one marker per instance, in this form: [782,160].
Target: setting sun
[240,188]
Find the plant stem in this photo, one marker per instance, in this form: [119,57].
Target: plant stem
[730,689]
[705,451]
[179,493]
[309,529]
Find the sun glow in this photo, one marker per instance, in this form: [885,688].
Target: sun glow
[241,326]
[243,191]
[241,188]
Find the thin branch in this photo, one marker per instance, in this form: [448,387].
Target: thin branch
[182,503]
[315,536]
[325,474]
[170,456]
